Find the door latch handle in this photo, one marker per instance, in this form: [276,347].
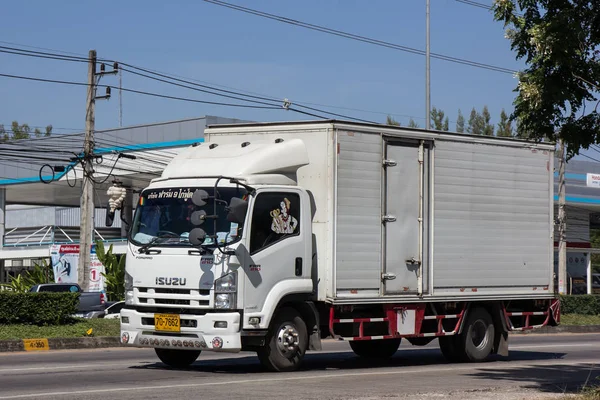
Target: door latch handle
[413,261]
[388,218]
[388,277]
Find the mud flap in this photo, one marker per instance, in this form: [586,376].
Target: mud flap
[501,344]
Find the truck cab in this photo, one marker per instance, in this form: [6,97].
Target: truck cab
[210,257]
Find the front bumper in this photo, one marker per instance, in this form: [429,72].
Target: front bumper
[198,332]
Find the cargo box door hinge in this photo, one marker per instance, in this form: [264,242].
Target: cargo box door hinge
[389,163]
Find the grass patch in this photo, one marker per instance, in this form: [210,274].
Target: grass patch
[77,328]
[579,319]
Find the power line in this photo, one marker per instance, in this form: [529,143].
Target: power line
[480,5]
[135,91]
[475,4]
[359,38]
[194,82]
[195,88]
[52,57]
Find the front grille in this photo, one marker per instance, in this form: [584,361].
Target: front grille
[172,301]
[171,291]
[169,310]
[167,296]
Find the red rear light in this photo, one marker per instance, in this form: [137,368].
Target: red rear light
[102,298]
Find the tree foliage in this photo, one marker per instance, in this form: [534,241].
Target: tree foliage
[488,128]
[114,271]
[391,121]
[460,122]
[21,131]
[412,124]
[504,126]
[556,93]
[437,119]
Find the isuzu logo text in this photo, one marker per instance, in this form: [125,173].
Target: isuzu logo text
[161,280]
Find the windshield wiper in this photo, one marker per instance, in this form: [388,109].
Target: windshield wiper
[144,248]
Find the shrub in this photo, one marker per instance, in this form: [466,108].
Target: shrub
[580,304]
[37,308]
[114,275]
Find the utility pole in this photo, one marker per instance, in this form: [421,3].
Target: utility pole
[87,195]
[427,70]
[87,207]
[120,98]
[562,222]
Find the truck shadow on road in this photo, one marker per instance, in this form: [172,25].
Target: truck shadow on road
[545,378]
[340,361]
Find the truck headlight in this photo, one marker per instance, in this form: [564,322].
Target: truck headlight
[226,283]
[225,291]
[129,297]
[225,300]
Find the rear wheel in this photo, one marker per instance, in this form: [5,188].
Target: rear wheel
[375,348]
[478,335]
[177,358]
[476,341]
[286,342]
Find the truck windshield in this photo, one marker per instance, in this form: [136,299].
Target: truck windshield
[164,216]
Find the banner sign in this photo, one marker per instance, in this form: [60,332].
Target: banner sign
[65,257]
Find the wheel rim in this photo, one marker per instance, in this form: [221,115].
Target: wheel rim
[479,334]
[288,340]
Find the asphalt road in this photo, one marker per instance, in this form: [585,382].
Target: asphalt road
[537,364]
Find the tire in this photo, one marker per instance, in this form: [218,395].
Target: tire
[286,342]
[177,358]
[476,341]
[375,348]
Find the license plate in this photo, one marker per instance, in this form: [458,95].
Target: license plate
[167,322]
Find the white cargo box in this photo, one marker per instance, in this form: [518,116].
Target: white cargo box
[413,215]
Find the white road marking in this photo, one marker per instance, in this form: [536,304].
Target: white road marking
[215,356]
[285,379]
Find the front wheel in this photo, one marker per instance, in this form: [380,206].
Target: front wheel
[177,358]
[375,348]
[286,342]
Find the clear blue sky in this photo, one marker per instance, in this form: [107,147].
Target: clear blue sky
[213,44]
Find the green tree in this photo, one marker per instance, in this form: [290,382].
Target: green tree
[460,122]
[488,128]
[412,124]
[437,119]
[504,126]
[4,136]
[21,131]
[392,121]
[446,126]
[475,124]
[559,41]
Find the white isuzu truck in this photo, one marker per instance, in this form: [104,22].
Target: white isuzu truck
[269,237]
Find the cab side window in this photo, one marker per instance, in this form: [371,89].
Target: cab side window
[276,216]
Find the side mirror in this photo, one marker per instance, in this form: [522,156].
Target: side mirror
[237,210]
[198,217]
[200,197]
[197,236]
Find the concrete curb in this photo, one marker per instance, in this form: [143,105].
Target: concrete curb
[560,329]
[65,343]
[114,341]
